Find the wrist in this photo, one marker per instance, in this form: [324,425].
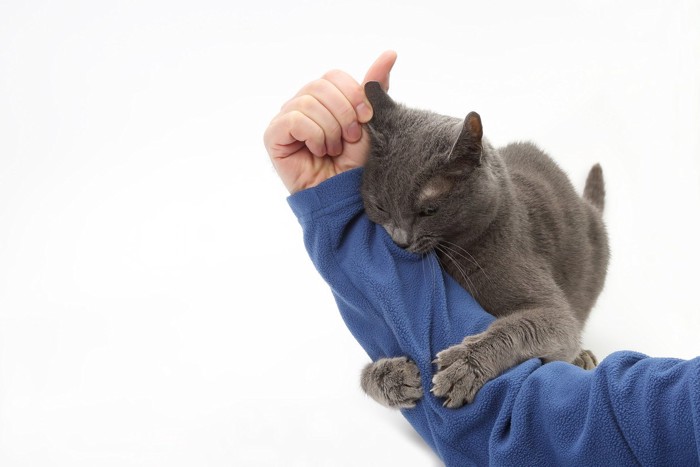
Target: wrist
[305,184]
[320,177]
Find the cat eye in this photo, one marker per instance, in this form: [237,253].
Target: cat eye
[428,211]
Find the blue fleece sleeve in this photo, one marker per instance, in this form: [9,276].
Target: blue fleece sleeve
[630,410]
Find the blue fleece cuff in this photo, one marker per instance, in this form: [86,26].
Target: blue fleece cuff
[341,189]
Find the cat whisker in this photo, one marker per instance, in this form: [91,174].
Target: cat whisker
[456,249]
[432,269]
[426,257]
[467,282]
[423,245]
[445,248]
[461,251]
[470,258]
[446,245]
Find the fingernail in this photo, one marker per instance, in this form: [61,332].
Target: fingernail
[364,112]
[354,131]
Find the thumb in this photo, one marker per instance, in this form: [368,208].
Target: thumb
[380,69]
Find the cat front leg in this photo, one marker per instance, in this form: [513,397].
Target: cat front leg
[393,382]
[550,333]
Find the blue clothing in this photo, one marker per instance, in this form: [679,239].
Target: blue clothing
[630,410]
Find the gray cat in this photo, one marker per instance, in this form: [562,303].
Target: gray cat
[505,223]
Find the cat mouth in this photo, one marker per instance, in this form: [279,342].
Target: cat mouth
[422,245]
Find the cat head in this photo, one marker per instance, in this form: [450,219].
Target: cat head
[429,178]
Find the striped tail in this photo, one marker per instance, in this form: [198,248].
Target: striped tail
[594,191]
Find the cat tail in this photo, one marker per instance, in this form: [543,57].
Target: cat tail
[594,191]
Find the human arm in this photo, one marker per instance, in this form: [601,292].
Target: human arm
[631,409]
[317,135]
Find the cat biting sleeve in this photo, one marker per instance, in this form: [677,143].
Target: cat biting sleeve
[630,410]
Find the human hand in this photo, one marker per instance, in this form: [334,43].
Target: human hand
[318,133]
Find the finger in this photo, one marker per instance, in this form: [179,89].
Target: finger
[290,128]
[337,104]
[352,91]
[278,142]
[381,68]
[312,108]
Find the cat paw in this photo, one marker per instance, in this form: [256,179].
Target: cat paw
[459,377]
[586,360]
[393,382]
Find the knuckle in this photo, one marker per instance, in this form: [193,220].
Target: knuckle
[318,133]
[294,116]
[267,138]
[298,104]
[330,75]
[317,86]
[335,132]
[304,103]
[286,105]
[333,128]
[347,114]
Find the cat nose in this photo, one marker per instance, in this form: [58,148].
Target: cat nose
[401,244]
[398,235]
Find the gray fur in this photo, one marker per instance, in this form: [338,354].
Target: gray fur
[505,223]
[393,382]
[594,191]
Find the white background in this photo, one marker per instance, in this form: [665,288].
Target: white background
[157,306]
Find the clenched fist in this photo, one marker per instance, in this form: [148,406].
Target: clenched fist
[318,133]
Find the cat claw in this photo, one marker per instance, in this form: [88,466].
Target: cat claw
[459,376]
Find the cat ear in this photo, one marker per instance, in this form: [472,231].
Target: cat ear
[380,100]
[468,147]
